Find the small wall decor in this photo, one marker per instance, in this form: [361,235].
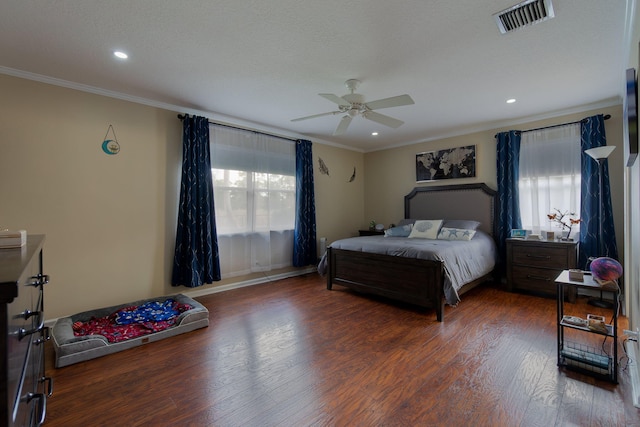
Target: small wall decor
[353,175]
[450,163]
[323,167]
[110,146]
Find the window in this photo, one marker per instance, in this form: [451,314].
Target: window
[549,176]
[254,189]
[252,201]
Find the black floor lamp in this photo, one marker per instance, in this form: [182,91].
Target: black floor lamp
[600,154]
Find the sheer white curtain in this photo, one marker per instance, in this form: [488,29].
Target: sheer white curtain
[549,176]
[254,192]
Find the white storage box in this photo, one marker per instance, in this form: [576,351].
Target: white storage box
[13,239]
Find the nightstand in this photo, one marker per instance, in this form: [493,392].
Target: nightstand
[533,265]
[371,232]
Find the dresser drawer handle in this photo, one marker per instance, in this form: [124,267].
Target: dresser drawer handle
[42,405]
[39,280]
[46,336]
[531,276]
[27,314]
[26,332]
[538,256]
[48,385]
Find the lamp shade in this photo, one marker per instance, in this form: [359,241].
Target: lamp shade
[605,269]
[600,152]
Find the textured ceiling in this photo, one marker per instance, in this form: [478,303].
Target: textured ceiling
[263,63]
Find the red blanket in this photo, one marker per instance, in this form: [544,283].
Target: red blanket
[114,332]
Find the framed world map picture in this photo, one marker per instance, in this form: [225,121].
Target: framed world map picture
[450,163]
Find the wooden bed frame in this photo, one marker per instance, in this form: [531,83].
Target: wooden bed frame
[415,281]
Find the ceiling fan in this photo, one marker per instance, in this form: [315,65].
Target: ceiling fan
[353,104]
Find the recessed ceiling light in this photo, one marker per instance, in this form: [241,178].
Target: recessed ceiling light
[120,54]
[511,100]
[374,133]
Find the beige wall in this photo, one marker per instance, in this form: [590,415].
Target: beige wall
[110,219]
[339,202]
[391,173]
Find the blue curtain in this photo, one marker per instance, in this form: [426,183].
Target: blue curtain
[508,170]
[196,260]
[304,236]
[593,135]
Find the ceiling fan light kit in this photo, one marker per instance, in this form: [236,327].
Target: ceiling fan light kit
[353,104]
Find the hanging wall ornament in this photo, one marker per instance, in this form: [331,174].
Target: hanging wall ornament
[110,146]
[353,176]
[323,167]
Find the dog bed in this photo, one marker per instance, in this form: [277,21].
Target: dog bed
[184,315]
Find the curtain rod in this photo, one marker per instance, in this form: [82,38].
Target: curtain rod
[606,117]
[182,116]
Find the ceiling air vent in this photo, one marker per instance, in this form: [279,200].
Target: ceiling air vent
[526,13]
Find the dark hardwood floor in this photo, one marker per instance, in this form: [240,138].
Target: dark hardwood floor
[291,353]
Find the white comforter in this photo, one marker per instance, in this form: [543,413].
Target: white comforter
[464,261]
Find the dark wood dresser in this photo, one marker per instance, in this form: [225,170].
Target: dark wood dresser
[534,265]
[24,386]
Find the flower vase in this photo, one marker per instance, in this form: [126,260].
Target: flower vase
[566,236]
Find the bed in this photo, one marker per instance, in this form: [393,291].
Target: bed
[368,265]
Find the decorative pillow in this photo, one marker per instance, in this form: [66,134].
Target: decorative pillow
[400,231]
[461,223]
[455,234]
[427,229]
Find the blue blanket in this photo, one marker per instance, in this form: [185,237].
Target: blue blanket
[153,311]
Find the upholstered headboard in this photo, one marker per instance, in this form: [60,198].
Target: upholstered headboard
[466,201]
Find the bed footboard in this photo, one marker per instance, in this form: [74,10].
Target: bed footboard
[414,281]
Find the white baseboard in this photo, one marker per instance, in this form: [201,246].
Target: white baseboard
[257,281]
[632,352]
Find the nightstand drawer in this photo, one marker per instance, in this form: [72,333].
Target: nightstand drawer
[539,280]
[534,265]
[536,279]
[547,258]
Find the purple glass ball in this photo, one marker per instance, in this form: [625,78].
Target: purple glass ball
[605,268]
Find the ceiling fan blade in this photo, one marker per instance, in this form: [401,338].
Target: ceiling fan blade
[394,101]
[343,125]
[315,115]
[335,98]
[382,119]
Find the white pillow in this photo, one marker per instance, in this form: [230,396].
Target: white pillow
[455,234]
[426,229]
